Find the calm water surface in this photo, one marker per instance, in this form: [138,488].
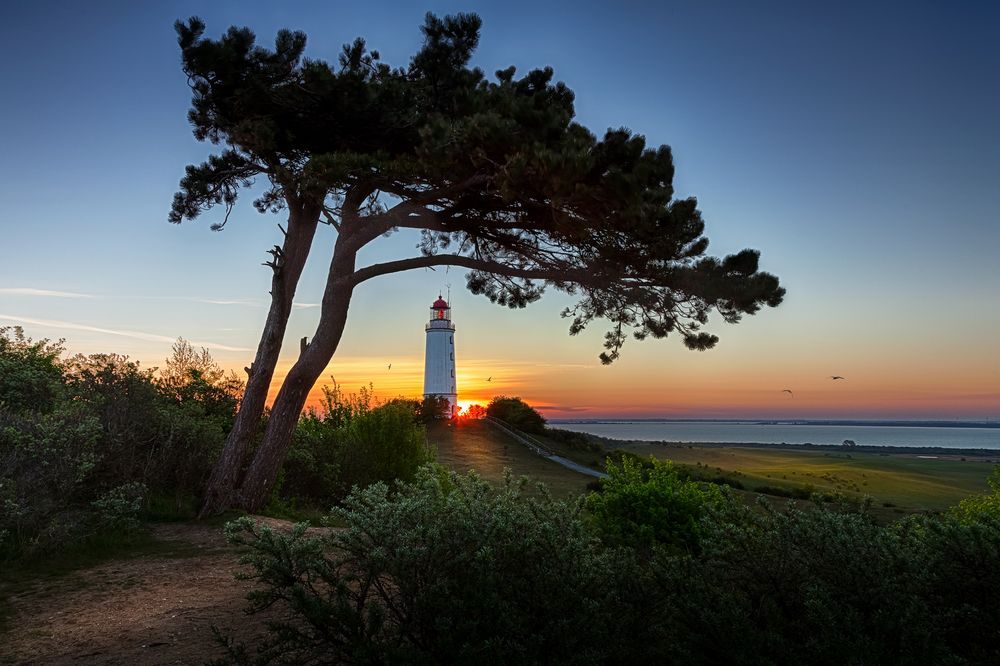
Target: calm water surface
[790,433]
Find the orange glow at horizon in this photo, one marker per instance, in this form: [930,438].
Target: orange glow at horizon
[696,387]
[404,379]
[464,405]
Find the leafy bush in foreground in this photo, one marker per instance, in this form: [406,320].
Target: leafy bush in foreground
[448,570]
[649,504]
[30,376]
[350,441]
[85,441]
[985,506]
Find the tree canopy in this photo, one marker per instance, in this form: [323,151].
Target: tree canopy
[493,172]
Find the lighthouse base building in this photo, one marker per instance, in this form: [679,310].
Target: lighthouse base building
[439,356]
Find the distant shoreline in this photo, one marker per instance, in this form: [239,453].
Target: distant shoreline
[795,422]
[941,451]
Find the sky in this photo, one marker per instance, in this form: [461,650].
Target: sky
[855,144]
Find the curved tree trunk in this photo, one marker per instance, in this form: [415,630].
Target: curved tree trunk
[220,493]
[288,404]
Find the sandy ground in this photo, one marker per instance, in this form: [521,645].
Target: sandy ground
[154,609]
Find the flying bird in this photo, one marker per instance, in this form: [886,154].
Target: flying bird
[490,378]
[835,377]
[390,366]
[789,392]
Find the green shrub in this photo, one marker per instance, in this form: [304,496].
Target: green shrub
[447,570]
[350,442]
[84,442]
[649,504]
[46,462]
[979,507]
[516,413]
[30,373]
[832,587]
[384,444]
[579,441]
[958,581]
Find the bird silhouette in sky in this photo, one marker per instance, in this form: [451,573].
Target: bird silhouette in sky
[490,378]
[390,366]
[789,392]
[835,377]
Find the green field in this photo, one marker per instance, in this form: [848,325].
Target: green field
[900,479]
[899,482]
[904,480]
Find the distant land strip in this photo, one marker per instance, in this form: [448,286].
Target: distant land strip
[793,422]
[989,455]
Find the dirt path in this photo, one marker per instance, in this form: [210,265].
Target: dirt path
[152,609]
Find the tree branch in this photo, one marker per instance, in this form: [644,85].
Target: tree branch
[555,274]
[331,220]
[430,196]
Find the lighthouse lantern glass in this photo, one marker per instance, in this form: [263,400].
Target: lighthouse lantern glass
[441,314]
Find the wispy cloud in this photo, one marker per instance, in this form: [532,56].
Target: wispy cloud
[561,408]
[249,302]
[138,335]
[51,293]
[210,301]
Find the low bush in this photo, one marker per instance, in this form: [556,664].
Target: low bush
[986,506]
[351,441]
[85,442]
[516,413]
[579,441]
[824,586]
[447,570]
[648,505]
[450,570]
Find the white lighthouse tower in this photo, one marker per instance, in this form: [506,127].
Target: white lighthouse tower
[439,357]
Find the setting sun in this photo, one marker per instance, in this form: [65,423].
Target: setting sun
[463,405]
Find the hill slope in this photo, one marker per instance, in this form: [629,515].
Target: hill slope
[469,444]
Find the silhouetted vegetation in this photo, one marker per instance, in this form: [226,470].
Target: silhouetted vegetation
[87,444]
[516,413]
[474,411]
[92,445]
[579,441]
[451,570]
[660,563]
[350,440]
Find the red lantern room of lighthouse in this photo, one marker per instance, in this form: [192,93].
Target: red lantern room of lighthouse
[439,356]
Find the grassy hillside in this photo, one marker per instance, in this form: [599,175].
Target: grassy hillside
[477,445]
[900,481]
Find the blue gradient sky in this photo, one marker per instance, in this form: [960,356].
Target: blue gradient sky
[857,145]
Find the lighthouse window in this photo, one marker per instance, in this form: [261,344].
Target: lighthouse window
[451,339]
[453,356]
[452,372]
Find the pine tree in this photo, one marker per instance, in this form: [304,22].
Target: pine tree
[493,171]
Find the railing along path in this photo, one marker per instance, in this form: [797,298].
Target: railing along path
[539,449]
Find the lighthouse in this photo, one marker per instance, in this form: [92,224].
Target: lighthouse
[439,357]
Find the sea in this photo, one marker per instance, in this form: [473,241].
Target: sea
[948,435]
